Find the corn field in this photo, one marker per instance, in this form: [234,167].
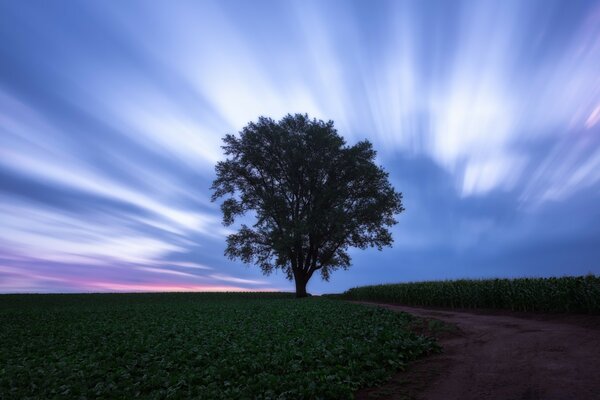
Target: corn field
[580,294]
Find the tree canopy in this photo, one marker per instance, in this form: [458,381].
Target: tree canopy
[312,197]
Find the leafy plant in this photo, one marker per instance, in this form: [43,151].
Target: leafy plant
[205,346]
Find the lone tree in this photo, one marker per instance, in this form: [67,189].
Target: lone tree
[312,195]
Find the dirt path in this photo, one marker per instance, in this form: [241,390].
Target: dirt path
[508,357]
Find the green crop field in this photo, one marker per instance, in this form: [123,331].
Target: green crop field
[567,294]
[203,346]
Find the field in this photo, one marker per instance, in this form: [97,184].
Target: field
[567,294]
[204,346]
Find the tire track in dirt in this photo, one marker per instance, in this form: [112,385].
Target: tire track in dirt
[508,356]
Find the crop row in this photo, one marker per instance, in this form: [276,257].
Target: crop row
[566,294]
[201,346]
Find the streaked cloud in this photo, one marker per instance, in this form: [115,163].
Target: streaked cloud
[487,116]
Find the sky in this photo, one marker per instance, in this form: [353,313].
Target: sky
[486,114]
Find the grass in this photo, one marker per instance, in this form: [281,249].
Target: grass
[579,294]
[203,346]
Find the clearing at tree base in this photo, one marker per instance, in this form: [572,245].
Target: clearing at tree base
[198,345]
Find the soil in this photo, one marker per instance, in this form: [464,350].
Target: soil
[502,355]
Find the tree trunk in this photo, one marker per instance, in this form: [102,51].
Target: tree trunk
[301,282]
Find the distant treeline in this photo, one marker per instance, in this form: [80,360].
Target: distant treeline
[580,294]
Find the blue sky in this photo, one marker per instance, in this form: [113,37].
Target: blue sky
[485,113]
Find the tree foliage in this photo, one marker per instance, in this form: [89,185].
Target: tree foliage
[313,197]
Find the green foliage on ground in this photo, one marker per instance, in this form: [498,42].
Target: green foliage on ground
[566,294]
[203,346]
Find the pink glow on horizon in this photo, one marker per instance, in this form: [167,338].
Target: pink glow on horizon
[161,287]
[14,279]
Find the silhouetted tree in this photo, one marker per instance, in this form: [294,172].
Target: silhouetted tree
[312,196]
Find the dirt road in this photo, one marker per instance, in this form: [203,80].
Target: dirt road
[508,357]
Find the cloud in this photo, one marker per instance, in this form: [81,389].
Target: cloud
[232,279]
[594,118]
[111,119]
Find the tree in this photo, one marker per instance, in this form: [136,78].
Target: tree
[313,197]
